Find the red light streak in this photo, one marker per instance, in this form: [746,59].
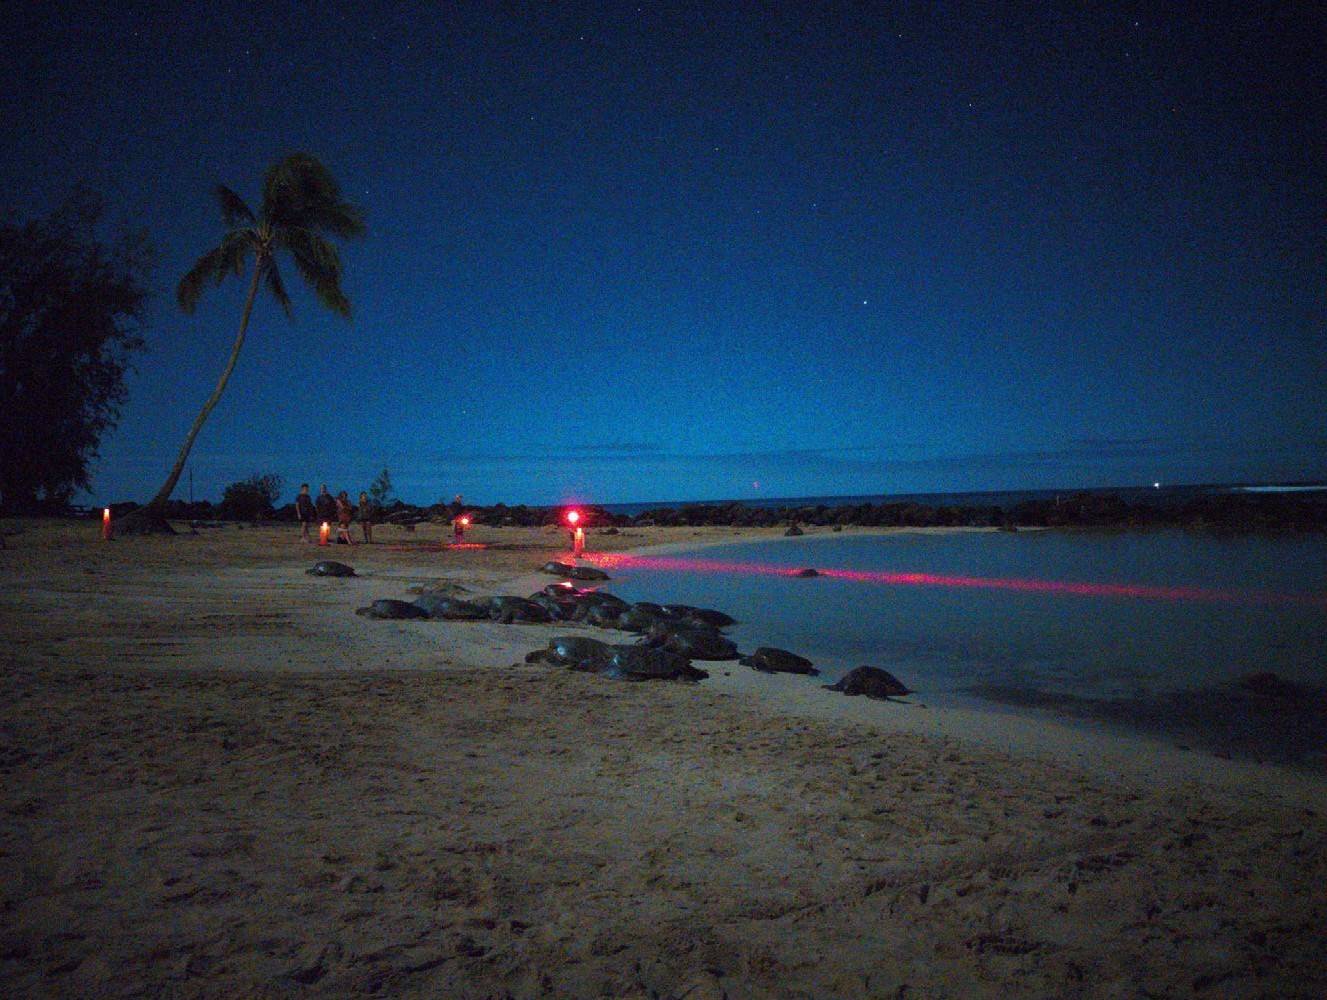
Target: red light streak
[1135,591]
[436,546]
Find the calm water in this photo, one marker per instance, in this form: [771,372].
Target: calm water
[1165,663]
[1149,494]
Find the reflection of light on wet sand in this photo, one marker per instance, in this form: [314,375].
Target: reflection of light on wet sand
[1057,587]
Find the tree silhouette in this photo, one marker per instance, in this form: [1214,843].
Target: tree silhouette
[301,207]
[71,308]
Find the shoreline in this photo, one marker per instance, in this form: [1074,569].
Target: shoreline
[1113,749]
[220,781]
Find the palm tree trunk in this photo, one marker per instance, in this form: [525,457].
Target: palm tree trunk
[158,502]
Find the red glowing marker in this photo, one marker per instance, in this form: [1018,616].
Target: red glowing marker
[573,517]
[465,522]
[107,532]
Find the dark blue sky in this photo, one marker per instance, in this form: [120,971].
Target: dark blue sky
[637,251]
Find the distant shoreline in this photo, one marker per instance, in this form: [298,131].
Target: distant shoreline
[1236,508]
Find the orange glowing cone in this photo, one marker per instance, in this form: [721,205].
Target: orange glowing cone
[578,542]
[107,532]
[323,532]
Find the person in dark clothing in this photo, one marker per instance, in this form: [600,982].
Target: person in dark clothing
[368,513]
[306,512]
[325,506]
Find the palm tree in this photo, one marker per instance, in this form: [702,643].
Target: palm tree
[302,207]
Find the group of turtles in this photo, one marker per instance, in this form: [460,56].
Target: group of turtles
[670,635]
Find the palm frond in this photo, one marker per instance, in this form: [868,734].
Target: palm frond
[319,265]
[233,209]
[235,246]
[315,250]
[339,219]
[299,191]
[225,259]
[205,269]
[278,289]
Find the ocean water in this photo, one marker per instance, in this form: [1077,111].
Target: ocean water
[1143,629]
[1159,494]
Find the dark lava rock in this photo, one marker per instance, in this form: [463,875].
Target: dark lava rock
[870,681]
[440,606]
[769,660]
[330,567]
[807,573]
[793,531]
[388,608]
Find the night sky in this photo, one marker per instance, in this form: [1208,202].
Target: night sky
[632,252]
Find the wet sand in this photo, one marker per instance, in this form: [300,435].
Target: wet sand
[219,781]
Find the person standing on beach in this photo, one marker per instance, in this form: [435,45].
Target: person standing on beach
[325,506]
[368,513]
[344,513]
[305,511]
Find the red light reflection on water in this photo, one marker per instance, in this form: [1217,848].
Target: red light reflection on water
[1019,584]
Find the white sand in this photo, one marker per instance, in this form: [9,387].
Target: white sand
[218,781]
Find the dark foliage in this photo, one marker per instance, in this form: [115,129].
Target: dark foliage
[71,308]
[380,492]
[251,499]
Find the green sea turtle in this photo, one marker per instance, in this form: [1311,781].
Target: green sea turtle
[330,567]
[695,643]
[642,663]
[441,606]
[602,615]
[770,660]
[573,572]
[639,618]
[389,608]
[513,609]
[578,652]
[709,616]
[559,608]
[870,681]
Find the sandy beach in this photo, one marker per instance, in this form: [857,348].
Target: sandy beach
[219,781]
